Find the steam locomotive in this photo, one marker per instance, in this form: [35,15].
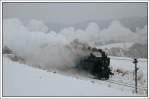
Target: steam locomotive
[97,65]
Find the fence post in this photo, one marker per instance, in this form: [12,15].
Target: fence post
[135,62]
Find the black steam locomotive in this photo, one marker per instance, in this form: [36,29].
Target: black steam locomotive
[97,65]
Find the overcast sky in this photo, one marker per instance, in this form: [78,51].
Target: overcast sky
[70,13]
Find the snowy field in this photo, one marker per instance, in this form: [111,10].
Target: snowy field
[23,80]
[119,45]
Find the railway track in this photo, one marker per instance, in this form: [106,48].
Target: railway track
[125,84]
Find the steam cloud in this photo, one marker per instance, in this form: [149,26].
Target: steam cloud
[60,49]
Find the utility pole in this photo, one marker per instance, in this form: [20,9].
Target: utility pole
[135,62]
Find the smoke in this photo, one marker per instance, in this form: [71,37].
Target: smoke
[89,35]
[39,48]
[62,49]
[117,32]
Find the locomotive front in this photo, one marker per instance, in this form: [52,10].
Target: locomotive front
[97,65]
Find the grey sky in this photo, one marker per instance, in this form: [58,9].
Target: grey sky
[70,13]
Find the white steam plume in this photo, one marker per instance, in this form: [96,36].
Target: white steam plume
[56,49]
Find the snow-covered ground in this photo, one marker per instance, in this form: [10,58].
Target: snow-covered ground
[126,74]
[23,80]
[125,45]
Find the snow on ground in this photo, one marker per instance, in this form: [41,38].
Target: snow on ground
[126,63]
[125,73]
[125,45]
[123,78]
[23,80]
